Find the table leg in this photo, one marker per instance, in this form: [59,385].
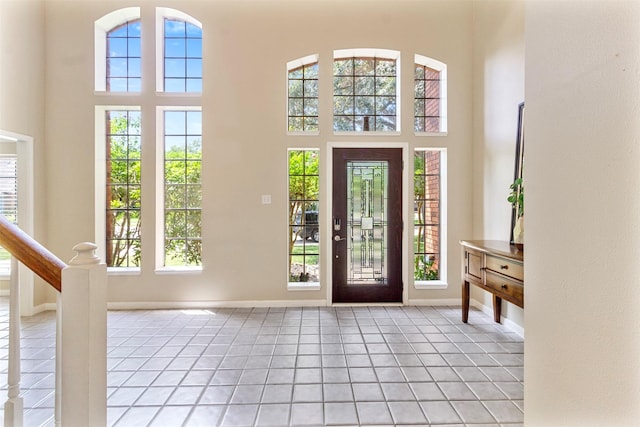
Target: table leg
[465,301]
[497,308]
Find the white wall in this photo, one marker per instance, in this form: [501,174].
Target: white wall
[498,88]
[246,46]
[583,228]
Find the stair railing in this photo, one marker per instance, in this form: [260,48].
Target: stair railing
[81,330]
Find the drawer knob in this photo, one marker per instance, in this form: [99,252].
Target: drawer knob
[504,267]
[504,286]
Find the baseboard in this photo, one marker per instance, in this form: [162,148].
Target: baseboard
[435,302]
[168,305]
[48,306]
[507,323]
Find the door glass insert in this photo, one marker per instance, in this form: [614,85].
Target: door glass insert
[367,185]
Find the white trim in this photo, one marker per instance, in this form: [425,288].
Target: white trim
[445,302]
[369,53]
[326,236]
[430,284]
[303,286]
[101,27]
[442,68]
[167,305]
[24,150]
[161,14]
[506,322]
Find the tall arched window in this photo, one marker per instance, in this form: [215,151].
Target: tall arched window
[302,94]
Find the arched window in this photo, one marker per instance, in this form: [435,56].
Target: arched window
[118,51]
[430,99]
[366,90]
[180,52]
[302,94]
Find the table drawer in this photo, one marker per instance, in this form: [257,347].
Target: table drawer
[506,267]
[473,264]
[511,290]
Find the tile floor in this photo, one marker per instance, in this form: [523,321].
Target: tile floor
[290,367]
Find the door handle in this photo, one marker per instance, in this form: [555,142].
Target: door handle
[338,238]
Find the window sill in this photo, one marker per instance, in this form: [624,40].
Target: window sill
[314,133]
[431,133]
[179,270]
[123,271]
[303,286]
[430,284]
[368,133]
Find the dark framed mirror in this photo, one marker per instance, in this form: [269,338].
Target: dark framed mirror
[517,188]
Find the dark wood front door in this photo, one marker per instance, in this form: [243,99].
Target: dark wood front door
[366,227]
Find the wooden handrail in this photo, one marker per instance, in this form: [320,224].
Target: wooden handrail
[32,254]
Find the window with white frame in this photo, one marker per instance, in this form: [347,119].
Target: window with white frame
[428,205]
[180,56]
[366,90]
[118,51]
[123,188]
[302,95]
[182,188]
[8,201]
[430,95]
[303,215]
[175,199]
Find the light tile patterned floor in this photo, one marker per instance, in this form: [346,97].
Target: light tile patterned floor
[291,367]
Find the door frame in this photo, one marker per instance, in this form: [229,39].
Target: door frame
[327,234]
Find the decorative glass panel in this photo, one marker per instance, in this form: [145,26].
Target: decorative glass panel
[367,186]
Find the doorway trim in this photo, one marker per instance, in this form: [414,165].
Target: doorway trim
[328,208]
[24,152]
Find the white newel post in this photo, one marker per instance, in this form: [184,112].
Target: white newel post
[13,407]
[81,372]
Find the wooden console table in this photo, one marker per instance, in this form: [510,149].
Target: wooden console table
[495,266]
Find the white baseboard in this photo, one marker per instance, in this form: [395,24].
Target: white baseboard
[507,323]
[44,307]
[434,302]
[168,305]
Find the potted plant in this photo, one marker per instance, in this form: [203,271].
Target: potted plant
[516,198]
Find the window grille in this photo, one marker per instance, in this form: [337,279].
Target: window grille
[427,101]
[427,224]
[303,98]
[304,221]
[364,94]
[123,71]
[182,188]
[123,192]
[182,56]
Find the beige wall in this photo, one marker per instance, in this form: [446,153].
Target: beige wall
[582,124]
[498,88]
[22,99]
[246,46]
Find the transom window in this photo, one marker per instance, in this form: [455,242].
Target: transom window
[123,71]
[182,188]
[303,96]
[365,94]
[430,100]
[182,56]
[123,178]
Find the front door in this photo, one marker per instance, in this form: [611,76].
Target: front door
[366,227]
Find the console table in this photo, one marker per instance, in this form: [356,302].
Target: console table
[495,266]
